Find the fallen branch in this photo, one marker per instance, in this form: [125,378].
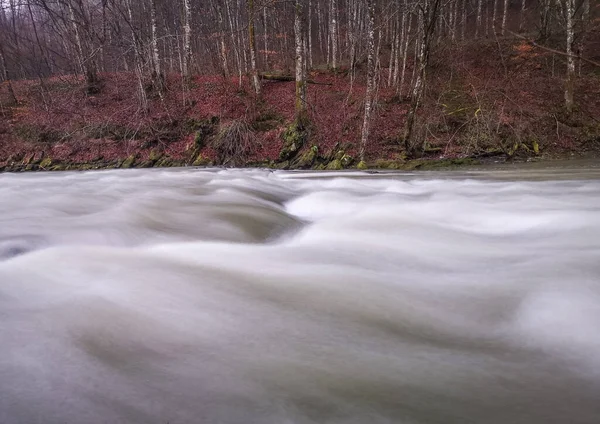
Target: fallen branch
[287,78]
[533,43]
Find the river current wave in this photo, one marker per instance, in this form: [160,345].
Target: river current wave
[227,296]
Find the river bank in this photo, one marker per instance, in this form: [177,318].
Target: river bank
[507,108]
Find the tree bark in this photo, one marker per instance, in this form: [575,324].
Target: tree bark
[570,79]
[504,15]
[310,48]
[522,16]
[187,42]
[300,76]
[370,77]
[157,74]
[333,30]
[252,42]
[222,45]
[405,55]
[428,17]
[478,22]
[6,76]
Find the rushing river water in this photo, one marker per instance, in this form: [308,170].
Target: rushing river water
[240,297]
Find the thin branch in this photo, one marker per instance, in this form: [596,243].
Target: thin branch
[533,43]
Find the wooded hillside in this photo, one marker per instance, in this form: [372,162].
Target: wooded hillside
[255,81]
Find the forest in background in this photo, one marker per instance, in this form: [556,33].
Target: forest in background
[296,84]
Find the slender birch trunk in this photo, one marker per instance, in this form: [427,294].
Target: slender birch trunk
[6,76]
[522,17]
[504,14]
[333,30]
[300,76]
[428,17]
[252,43]
[187,42]
[310,48]
[157,74]
[570,79]
[404,56]
[478,22]
[370,77]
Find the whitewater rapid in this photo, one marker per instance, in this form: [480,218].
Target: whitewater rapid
[237,297]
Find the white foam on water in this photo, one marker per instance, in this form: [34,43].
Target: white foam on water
[259,297]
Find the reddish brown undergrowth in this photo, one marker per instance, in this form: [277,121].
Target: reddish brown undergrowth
[492,99]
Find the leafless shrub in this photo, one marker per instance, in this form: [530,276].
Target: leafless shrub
[234,142]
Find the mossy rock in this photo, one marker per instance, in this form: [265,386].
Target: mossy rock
[58,167]
[128,163]
[293,138]
[164,162]
[362,165]
[334,153]
[283,165]
[46,163]
[339,155]
[346,161]
[334,165]
[203,129]
[320,167]
[155,155]
[146,164]
[308,158]
[201,161]
[389,164]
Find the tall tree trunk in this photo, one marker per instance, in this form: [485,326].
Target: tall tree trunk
[157,74]
[6,76]
[494,16]
[320,29]
[222,45]
[139,67]
[522,16]
[236,45]
[266,37]
[77,35]
[463,26]
[87,63]
[370,77]
[333,30]
[393,53]
[428,16]
[187,42]
[400,44]
[545,17]
[300,76]
[310,48]
[478,21]
[570,79]
[404,54]
[252,43]
[504,14]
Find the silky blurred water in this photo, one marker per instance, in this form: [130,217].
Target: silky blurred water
[229,296]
